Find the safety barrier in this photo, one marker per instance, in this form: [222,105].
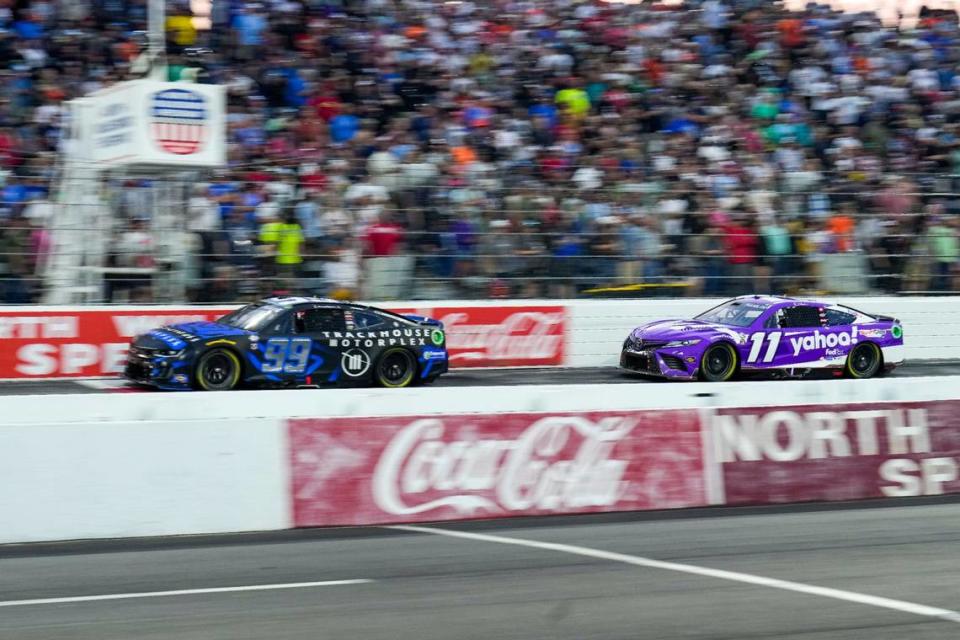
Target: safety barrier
[45,342]
[122,465]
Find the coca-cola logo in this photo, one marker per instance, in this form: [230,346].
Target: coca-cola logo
[361,470]
[501,336]
[558,463]
[533,335]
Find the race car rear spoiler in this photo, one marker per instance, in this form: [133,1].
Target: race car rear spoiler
[881,318]
[424,320]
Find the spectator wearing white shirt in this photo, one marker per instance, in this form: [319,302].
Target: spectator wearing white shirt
[203,214]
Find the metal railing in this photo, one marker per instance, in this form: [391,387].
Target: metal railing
[492,241]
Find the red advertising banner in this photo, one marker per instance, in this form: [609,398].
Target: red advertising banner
[355,471]
[72,343]
[836,452]
[502,336]
[82,343]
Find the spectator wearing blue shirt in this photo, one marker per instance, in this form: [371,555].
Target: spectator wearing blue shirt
[344,126]
[250,24]
[295,91]
[546,110]
[12,194]
[28,29]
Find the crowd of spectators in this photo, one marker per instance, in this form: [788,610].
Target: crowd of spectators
[519,148]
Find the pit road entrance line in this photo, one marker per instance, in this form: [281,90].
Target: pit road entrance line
[734,576]
[182,592]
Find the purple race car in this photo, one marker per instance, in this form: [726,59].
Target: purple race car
[792,337]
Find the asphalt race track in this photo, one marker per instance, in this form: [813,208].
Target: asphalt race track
[463,378]
[401,585]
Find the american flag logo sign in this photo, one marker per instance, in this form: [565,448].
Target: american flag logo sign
[178,120]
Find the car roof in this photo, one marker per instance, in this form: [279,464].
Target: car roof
[289,302]
[295,302]
[772,300]
[766,300]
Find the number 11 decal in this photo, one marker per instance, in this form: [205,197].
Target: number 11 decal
[773,341]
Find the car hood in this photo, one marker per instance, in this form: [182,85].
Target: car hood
[178,336]
[680,329]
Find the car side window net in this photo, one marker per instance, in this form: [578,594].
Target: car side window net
[319,320]
[797,317]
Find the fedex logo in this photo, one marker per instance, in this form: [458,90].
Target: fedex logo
[817,340]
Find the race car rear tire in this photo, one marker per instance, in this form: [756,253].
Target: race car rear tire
[218,370]
[396,368]
[718,363]
[864,360]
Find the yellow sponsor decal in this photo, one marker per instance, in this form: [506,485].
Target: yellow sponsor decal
[222,341]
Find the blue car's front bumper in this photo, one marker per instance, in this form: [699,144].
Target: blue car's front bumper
[145,366]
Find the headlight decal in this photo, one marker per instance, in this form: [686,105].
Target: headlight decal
[683,343]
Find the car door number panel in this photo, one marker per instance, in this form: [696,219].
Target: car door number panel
[286,355]
[757,339]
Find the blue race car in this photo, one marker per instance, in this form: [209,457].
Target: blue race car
[291,342]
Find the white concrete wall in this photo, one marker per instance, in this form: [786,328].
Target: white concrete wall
[84,478]
[104,466]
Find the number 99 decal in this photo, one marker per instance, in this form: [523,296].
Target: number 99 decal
[286,355]
[773,341]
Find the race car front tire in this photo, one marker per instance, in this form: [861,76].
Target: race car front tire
[718,363]
[864,360]
[396,368]
[218,370]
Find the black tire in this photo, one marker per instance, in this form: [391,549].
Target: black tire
[218,370]
[864,361]
[718,363]
[396,368]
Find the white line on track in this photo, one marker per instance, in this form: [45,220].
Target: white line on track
[735,576]
[102,384]
[183,592]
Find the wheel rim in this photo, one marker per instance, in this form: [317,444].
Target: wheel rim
[395,367]
[718,361]
[863,360]
[217,369]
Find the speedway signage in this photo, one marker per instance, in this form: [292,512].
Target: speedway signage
[93,342]
[502,336]
[423,468]
[369,470]
[835,452]
[77,343]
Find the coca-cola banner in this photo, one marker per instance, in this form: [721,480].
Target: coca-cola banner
[502,336]
[76,343]
[354,471]
[837,452]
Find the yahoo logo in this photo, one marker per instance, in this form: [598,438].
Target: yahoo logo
[823,341]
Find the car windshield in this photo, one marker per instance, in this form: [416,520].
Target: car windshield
[252,317]
[735,313]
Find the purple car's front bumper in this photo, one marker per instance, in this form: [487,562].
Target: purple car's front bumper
[654,360]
